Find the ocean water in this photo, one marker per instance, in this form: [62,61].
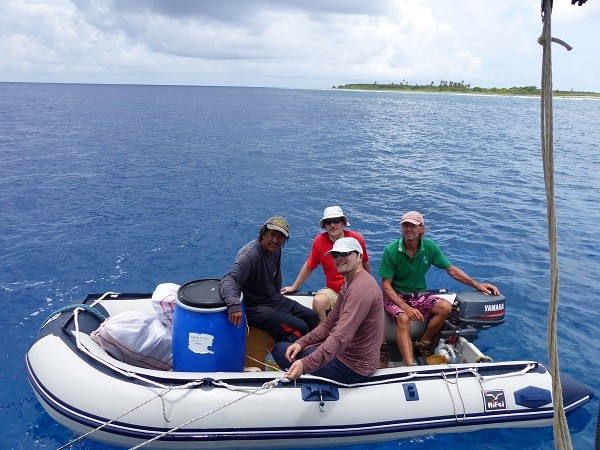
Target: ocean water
[108,187]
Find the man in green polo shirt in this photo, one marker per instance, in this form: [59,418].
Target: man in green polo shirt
[403,267]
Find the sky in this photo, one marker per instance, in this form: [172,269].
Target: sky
[314,44]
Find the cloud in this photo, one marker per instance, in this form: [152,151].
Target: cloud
[312,43]
[243,10]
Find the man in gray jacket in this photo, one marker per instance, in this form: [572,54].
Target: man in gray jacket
[257,274]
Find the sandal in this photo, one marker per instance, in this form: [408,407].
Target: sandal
[383,356]
[424,347]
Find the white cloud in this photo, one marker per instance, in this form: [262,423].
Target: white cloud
[312,43]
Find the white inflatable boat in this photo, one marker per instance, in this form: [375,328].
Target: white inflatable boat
[101,398]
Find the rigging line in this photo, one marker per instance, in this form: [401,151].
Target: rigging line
[104,424]
[447,383]
[268,385]
[562,438]
[474,370]
[82,306]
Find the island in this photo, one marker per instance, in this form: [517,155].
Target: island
[459,87]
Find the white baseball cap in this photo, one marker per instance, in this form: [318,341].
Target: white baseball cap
[347,244]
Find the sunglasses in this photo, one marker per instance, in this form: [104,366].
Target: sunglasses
[338,254]
[330,221]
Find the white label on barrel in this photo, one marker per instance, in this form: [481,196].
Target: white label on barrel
[199,343]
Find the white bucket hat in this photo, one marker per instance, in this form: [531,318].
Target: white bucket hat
[331,212]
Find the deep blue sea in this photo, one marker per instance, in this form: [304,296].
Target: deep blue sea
[120,188]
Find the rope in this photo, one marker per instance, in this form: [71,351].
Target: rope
[484,358]
[253,390]
[523,371]
[598,429]
[415,375]
[112,294]
[542,39]
[562,438]
[58,312]
[160,394]
[90,308]
[448,383]
[268,385]
[271,384]
[264,363]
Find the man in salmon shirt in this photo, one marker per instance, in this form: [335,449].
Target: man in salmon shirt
[334,222]
[345,346]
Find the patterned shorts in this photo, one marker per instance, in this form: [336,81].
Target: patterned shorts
[422,301]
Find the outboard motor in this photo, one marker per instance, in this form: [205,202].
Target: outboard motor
[474,310]
[477,309]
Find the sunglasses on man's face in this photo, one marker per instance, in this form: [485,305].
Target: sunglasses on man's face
[330,221]
[338,254]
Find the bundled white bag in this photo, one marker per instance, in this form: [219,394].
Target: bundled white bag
[136,338]
[164,299]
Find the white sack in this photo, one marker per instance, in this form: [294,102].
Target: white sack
[136,338]
[164,299]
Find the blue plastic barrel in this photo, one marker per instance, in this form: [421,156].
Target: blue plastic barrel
[203,338]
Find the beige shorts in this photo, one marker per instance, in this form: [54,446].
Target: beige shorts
[333,296]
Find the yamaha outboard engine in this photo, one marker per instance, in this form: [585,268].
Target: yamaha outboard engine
[474,310]
[477,309]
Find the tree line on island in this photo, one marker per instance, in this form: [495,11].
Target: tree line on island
[456,86]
